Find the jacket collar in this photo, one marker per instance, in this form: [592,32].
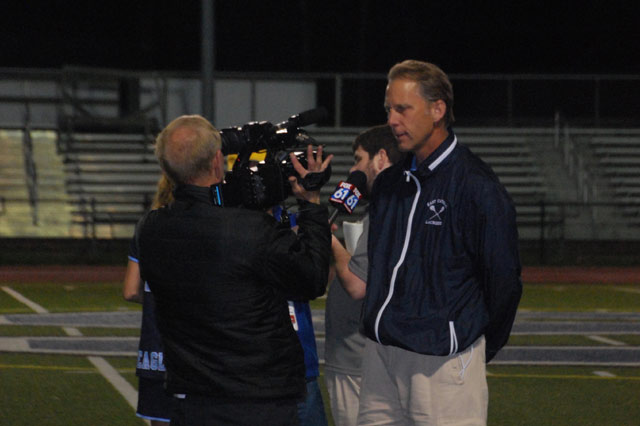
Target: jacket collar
[202,194]
[434,159]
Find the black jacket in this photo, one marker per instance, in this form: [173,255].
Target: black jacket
[444,267]
[221,278]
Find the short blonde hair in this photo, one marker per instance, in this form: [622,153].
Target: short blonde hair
[433,82]
[188,157]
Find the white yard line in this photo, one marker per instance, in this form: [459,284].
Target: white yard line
[108,372]
[20,298]
[606,340]
[72,331]
[118,382]
[15,344]
[604,374]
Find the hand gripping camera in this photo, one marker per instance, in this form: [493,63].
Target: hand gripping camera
[260,184]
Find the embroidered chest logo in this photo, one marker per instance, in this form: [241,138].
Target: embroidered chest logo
[435,213]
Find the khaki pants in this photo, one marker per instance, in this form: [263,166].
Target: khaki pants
[344,395]
[405,388]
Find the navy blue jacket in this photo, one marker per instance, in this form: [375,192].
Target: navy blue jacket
[444,267]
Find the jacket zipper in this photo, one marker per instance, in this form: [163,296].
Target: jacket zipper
[402,255]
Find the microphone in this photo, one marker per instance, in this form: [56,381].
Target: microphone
[347,194]
[304,118]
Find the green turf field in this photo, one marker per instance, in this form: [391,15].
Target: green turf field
[534,395]
[59,391]
[68,390]
[580,298]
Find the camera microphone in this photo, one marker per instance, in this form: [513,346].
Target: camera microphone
[304,118]
[347,194]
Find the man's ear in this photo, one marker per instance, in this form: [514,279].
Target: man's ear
[438,110]
[381,160]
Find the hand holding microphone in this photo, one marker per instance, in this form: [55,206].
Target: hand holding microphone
[347,194]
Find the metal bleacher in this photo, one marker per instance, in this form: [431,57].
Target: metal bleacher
[510,156]
[509,153]
[91,172]
[110,177]
[105,140]
[617,158]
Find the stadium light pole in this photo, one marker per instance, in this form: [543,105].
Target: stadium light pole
[207,60]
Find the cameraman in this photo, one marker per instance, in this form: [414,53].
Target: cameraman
[221,277]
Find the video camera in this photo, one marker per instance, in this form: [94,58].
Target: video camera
[264,183]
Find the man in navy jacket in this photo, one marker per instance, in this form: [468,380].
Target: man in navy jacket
[444,269]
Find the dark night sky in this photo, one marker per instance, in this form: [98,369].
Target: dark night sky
[295,35]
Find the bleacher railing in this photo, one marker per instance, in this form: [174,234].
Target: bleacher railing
[553,221]
[356,99]
[560,222]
